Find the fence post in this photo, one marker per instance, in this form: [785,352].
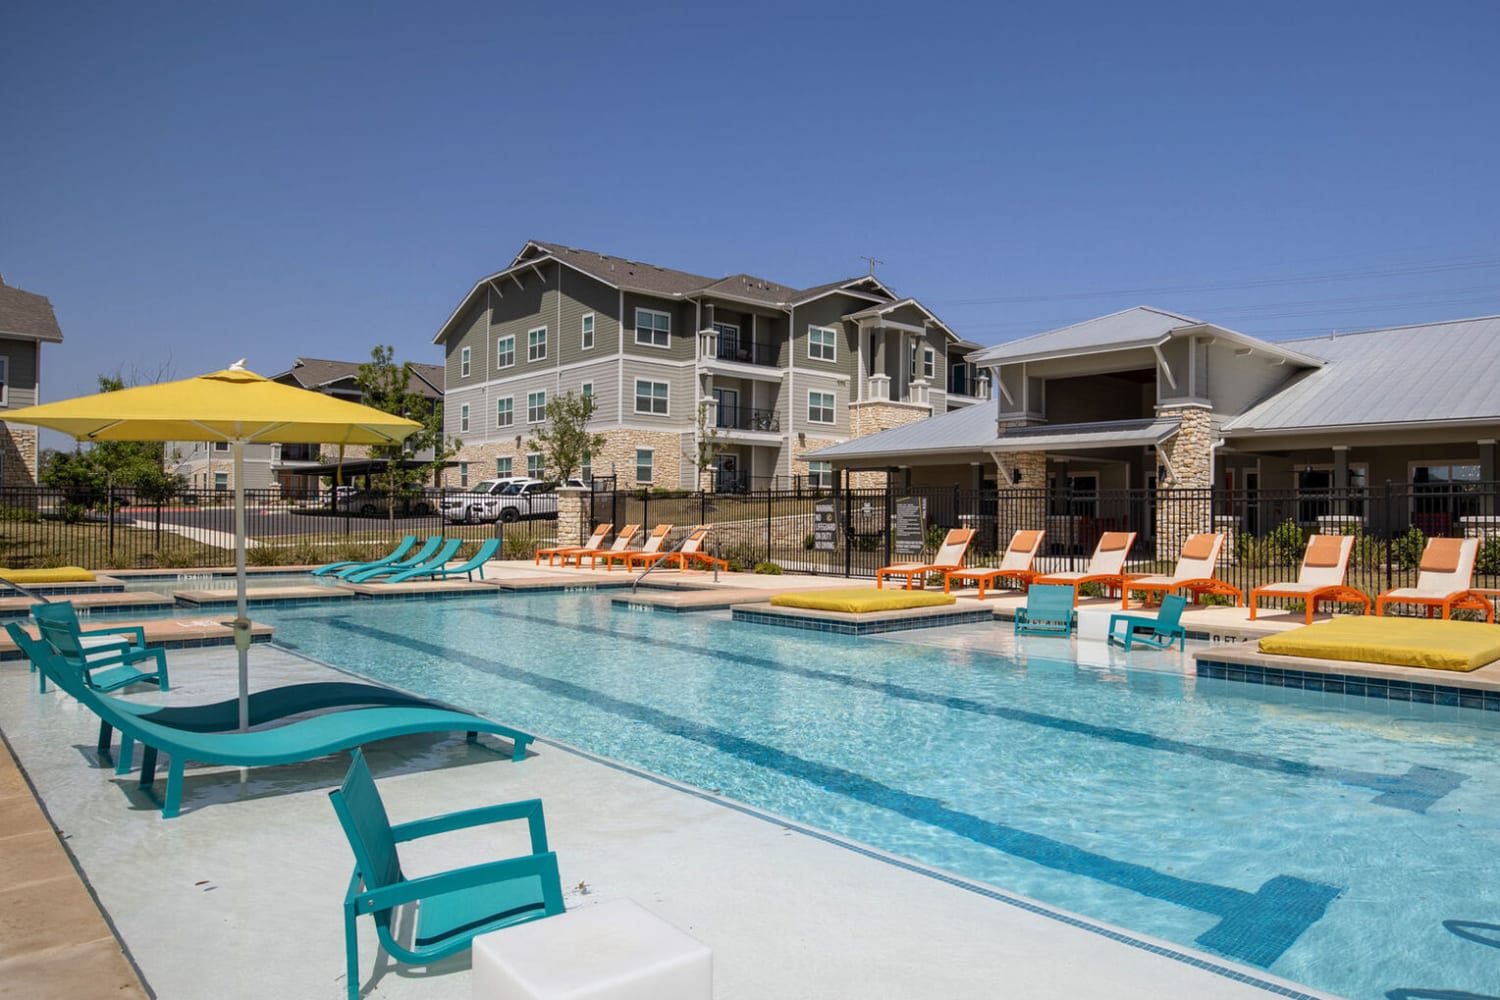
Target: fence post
[1390,535]
[889,475]
[769,494]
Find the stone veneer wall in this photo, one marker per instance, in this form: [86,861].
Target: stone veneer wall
[1191,455]
[572,516]
[1023,505]
[18,445]
[872,417]
[617,456]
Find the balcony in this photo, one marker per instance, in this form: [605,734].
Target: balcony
[747,418]
[728,347]
[963,384]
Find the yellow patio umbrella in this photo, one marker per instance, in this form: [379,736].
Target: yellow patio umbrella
[234,405]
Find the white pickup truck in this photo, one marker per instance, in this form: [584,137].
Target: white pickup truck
[505,500]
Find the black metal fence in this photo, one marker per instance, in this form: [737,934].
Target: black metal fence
[1266,531]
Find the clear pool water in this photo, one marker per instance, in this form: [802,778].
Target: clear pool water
[1349,844]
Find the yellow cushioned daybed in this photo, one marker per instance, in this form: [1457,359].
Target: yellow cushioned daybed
[861,601]
[1405,642]
[54,574]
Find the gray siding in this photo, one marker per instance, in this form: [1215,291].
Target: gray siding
[468,332]
[803,384]
[1237,383]
[521,309]
[682,394]
[20,379]
[683,346]
[581,295]
[827,311]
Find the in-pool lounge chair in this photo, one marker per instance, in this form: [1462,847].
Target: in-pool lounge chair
[427,551]
[594,542]
[1194,573]
[949,557]
[1165,627]
[299,740]
[1016,565]
[452,907]
[435,561]
[1048,610]
[104,658]
[474,564]
[1321,578]
[1106,566]
[622,541]
[647,555]
[691,551]
[402,548]
[1443,580]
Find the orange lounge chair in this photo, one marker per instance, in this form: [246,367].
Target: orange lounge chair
[647,555]
[692,552]
[1321,578]
[1016,565]
[1194,573]
[949,557]
[1106,565]
[1443,580]
[623,538]
[595,540]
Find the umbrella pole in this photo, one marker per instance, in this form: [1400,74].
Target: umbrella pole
[242,619]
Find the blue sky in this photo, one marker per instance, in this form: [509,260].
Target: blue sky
[194,183]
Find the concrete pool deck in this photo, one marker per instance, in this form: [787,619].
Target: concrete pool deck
[240,896]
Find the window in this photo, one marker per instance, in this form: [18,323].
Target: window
[221,481]
[502,468]
[505,411]
[505,352]
[588,331]
[586,468]
[820,407]
[643,465]
[650,397]
[587,390]
[536,344]
[221,446]
[730,347]
[536,407]
[929,362]
[653,328]
[463,363]
[820,475]
[463,473]
[4,380]
[463,418]
[534,465]
[822,343]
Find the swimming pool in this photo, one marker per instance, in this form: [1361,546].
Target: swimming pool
[170,584]
[1341,842]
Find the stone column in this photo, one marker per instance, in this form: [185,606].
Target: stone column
[1184,504]
[1022,502]
[572,514]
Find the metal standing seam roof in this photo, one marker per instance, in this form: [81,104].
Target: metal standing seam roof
[1436,372]
[1139,324]
[972,429]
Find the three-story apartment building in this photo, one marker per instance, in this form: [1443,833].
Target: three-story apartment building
[26,323]
[722,383]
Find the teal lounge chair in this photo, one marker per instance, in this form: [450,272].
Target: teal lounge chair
[402,548]
[1048,610]
[297,741]
[221,716]
[1166,626]
[486,552]
[104,657]
[448,551]
[454,906]
[423,554]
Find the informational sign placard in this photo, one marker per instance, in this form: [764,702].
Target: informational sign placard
[910,514]
[825,526]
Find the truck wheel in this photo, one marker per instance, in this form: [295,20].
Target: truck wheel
[510,514]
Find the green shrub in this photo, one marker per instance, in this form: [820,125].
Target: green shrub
[265,555]
[767,569]
[515,546]
[808,541]
[1284,546]
[1215,601]
[1407,549]
[1488,562]
[307,554]
[1091,589]
[19,514]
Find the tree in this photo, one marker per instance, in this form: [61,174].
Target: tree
[708,436]
[565,439]
[81,482]
[386,386]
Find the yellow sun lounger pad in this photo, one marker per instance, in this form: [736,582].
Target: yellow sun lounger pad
[55,574]
[860,601]
[1406,642]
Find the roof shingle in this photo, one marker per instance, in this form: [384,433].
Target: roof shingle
[27,314]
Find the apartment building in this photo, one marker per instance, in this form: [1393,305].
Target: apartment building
[720,383]
[26,323]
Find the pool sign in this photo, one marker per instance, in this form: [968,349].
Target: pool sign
[825,526]
[908,525]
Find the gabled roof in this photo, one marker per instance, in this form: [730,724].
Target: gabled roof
[1140,326]
[865,284]
[27,314]
[616,271]
[1434,373]
[320,374]
[748,286]
[881,309]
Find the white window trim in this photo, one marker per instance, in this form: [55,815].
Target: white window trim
[652,453]
[463,418]
[834,345]
[540,464]
[832,407]
[815,476]
[651,343]
[929,363]
[587,389]
[529,407]
[509,464]
[510,411]
[587,333]
[4,379]
[652,413]
[500,354]
[464,356]
[540,357]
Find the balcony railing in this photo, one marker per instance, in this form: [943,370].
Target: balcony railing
[747,418]
[745,350]
[967,385]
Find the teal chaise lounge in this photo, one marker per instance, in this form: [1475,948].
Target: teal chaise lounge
[395,555]
[485,553]
[433,543]
[449,549]
[1165,627]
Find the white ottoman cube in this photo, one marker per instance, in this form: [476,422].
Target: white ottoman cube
[1093,623]
[612,951]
